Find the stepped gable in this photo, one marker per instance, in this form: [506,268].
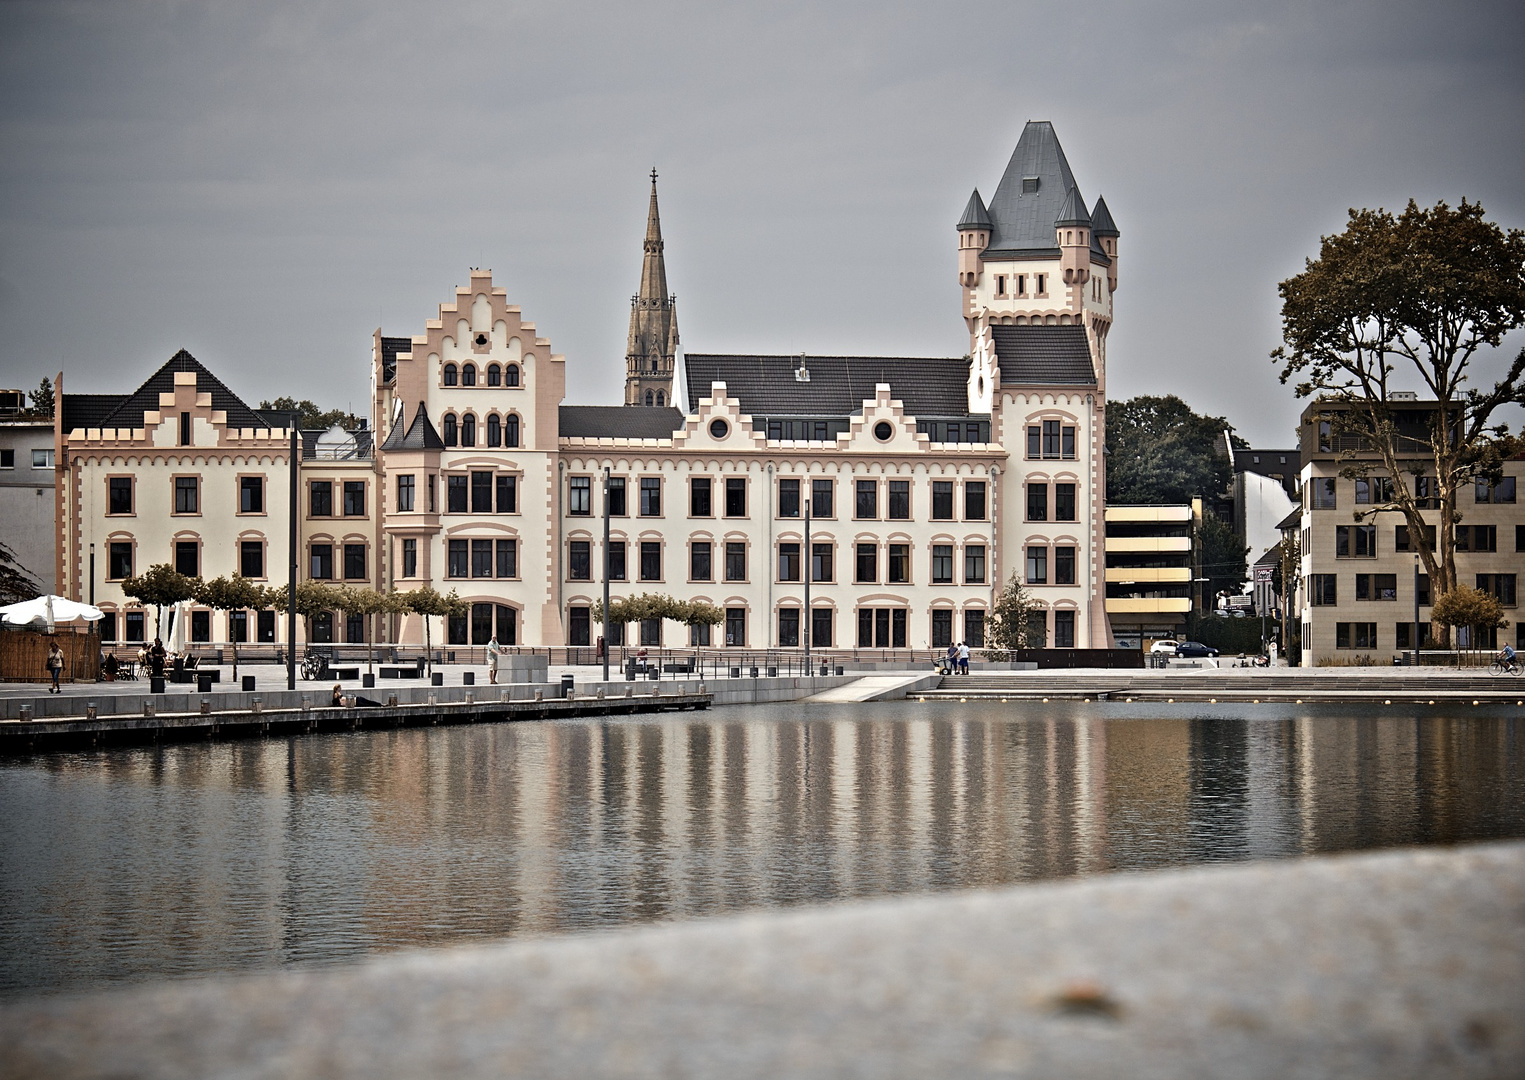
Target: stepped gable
[390,347]
[838,385]
[420,435]
[617,422]
[129,414]
[1044,355]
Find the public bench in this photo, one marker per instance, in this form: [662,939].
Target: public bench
[399,672]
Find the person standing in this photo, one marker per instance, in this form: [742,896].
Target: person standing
[963,658]
[55,666]
[493,652]
[952,658]
[156,657]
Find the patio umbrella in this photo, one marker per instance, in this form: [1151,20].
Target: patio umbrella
[177,617]
[45,612]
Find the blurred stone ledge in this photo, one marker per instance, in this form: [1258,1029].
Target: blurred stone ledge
[1407,963]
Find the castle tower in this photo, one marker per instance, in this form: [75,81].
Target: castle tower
[651,354]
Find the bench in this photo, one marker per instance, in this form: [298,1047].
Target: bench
[402,672]
[340,674]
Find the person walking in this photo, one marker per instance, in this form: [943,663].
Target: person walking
[963,658]
[493,652]
[55,666]
[952,658]
[156,657]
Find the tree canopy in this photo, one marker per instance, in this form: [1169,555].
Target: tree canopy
[1407,303]
[1009,626]
[311,417]
[1225,560]
[42,399]
[1159,452]
[162,586]
[16,584]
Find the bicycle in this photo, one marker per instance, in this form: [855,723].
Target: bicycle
[1500,666]
[314,666]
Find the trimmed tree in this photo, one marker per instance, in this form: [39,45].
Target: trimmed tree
[161,586]
[1466,606]
[427,602]
[232,594]
[368,603]
[1008,627]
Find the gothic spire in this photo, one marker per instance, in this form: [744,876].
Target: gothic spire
[651,352]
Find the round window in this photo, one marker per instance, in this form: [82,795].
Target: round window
[883,431]
[718,428]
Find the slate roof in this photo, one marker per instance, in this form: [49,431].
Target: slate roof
[838,386]
[390,347]
[1022,223]
[1101,219]
[1270,463]
[975,215]
[419,436]
[129,414]
[88,410]
[1044,355]
[1291,521]
[618,422]
[1073,212]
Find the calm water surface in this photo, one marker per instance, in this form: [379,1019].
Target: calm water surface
[136,864]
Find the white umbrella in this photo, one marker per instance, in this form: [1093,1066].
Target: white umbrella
[177,615]
[48,611]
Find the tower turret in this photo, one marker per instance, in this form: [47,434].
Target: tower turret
[1106,234]
[652,350]
[973,238]
[1072,229]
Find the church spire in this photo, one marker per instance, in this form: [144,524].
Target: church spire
[651,352]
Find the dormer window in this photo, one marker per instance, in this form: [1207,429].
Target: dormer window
[1029,185]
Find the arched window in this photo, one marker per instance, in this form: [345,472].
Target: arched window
[449,429]
[661,399]
[469,375]
[449,374]
[468,430]
[511,375]
[648,397]
[494,431]
[494,375]
[510,430]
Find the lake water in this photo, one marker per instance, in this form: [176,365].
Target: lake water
[128,865]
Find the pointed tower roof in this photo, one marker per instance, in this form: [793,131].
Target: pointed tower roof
[420,436]
[1073,212]
[653,342]
[653,268]
[1101,219]
[1031,194]
[975,214]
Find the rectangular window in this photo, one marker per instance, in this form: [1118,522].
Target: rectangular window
[617,565]
[788,562]
[508,625]
[735,626]
[508,495]
[1376,586]
[481,558]
[457,494]
[1051,438]
[187,495]
[1064,565]
[651,631]
[1355,541]
[405,492]
[617,500]
[251,494]
[823,499]
[42,459]
[866,500]
[788,627]
[409,558]
[899,570]
[8,461]
[579,560]
[1401,538]
[789,498]
[354,498]
[1489,492]
[1424,590]
[1034,441]
[942,628]
[578,626]
[1498,585]
[651,560]
[580,496]
[1322,590]
[1361,635]
[1064,629]
[251,558]
[1403,636]
[942,500]
[866,565]
[481,493]
[974,564]
[651,496]
[238,626]
[1322,488]
[699,561]
[320,498]
[354,629]
[820,628]
[1037,502]
[900,500]
[188,558]
[1374,489]
[201,626]
[1037,565]
[820,562]
[865,628]
[1477,538]
[974,629]
[321,559]
[133,625]
[1064,502]
[118,560]
[942,564]
[185,429]
[1037,630]
[736,497]
[119,489]
[974,500]
[458,562]
[700,635]
[735,560]
[700,503]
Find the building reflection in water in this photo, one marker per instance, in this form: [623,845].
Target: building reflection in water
[208,858]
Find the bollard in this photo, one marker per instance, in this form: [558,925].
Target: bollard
[257,705]
[566,686]
[539,695]
[433,700]
[470,698]
[600,693]
[701,688]
[206,706]
[148,708]
[90,712]
[204,682]
[307,705]
[391,699]
[26,714]
[629,690]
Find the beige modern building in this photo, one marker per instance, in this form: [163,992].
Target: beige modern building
[1149,571]
[1360,574]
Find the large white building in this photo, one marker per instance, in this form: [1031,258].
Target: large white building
[928,481]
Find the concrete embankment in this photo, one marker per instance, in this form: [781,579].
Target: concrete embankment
[1393,965]
[1372,686]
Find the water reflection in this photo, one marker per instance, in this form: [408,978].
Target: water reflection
[132,864]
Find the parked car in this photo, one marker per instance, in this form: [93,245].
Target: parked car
[1195,648]
[1163,648]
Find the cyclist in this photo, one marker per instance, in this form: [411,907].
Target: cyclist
[1506,655]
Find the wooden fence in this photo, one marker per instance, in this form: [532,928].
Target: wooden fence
[24,656]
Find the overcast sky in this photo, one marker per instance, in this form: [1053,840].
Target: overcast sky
[265,183]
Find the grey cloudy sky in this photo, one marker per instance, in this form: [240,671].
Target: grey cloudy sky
[266,183]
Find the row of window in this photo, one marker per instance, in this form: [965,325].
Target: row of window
[1360,541]
[868,562]
[187,558]
[496,430]
[872,500]
[492,375]
[1019,286]
[1379,489]
[1063,504]
[1323,589]
[1364,635]
[41,459]
[121,495]
[132,626]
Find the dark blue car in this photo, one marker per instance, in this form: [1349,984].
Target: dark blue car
[1195,648]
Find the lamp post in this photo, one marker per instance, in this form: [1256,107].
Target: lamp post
[1416,610]
[809,566]
[606,573]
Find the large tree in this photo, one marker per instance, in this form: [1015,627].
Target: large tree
[1009,626]
[1407,303]
[1225,558]
[16,584]
[42,399]
[310,417]
[1159,452]
[162,586]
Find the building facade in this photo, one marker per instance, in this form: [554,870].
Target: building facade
[26,495]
